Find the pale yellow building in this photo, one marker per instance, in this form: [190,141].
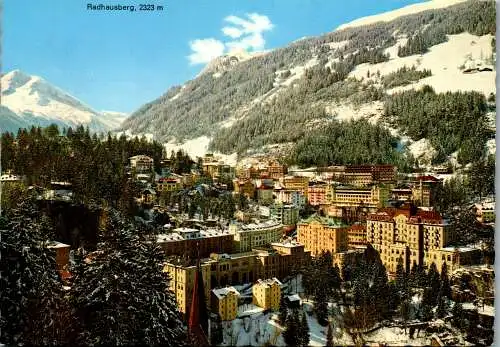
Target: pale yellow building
[409,233]
[296,183]
[267,294]
[320,234]
[224,301]
[248,236]
[453,257]
[354,197]
[182,282]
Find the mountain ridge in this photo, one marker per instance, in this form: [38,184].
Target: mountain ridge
[278,97]
[35,101]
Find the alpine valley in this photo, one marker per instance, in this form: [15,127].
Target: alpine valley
[414,84]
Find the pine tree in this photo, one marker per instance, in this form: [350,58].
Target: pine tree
[458,314]
[321,307]
[304,331]
[401,280]
[292,325]
[434,281]
[441,308]
[283,310]
[445,281]
[34,308]
[329,335]
[121,295]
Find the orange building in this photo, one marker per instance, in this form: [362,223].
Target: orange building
[246,188]
[316,194]
[356,236]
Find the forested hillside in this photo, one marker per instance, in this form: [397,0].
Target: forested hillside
[282,96]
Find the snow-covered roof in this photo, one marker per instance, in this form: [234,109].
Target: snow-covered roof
[459,249]
[223,292]
[57,244]
[269,282]
[294,297]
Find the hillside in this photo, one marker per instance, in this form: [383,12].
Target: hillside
[333,83]
[30,100]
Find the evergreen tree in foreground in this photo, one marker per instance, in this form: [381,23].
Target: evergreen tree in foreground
[329,336]
[304,331]
[34,310]
[121,296]
[292,325]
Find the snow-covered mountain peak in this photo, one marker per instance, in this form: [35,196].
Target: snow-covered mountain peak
[37,102]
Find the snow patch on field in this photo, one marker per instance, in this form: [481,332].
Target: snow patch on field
[444,60]
[347,111]
[404,11]
[337,45]
[198,147]
[423,151]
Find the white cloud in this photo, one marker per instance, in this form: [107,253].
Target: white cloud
[244,33]
[205,50]
[248,31]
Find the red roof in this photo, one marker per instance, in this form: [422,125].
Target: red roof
[427,178]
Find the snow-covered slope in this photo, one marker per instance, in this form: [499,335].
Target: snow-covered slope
[407,10]
[36,102]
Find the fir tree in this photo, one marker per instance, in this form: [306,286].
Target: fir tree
[434,282]
[458,314]
[401,280]
[121,295]
[292,325]
[445,282]
[304,331]
[441,308]
[321,307]
[283,310]
[34,308]
[329,335]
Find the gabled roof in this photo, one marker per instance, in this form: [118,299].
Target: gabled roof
[223,292]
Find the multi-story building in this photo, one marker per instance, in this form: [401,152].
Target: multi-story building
[453,257]
[407,233]
[356,236]
[285,214]
[193,242]
[275,170]
[374,197]
[316,194]
[246,188]
[182,281]
[293,197]
[265,195]
[485,212]
[168,184]
[320,234]
[267,293]
[224,302]
[362,175]
[297,183]
[248,236]
[279,260]
[141,163]
[419,195]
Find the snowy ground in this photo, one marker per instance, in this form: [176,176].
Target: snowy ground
[407,10]
[444,60]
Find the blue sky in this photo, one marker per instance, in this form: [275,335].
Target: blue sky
[120,60]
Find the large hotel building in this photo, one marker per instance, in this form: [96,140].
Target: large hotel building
[319,234]
[408,233]
[219,270]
